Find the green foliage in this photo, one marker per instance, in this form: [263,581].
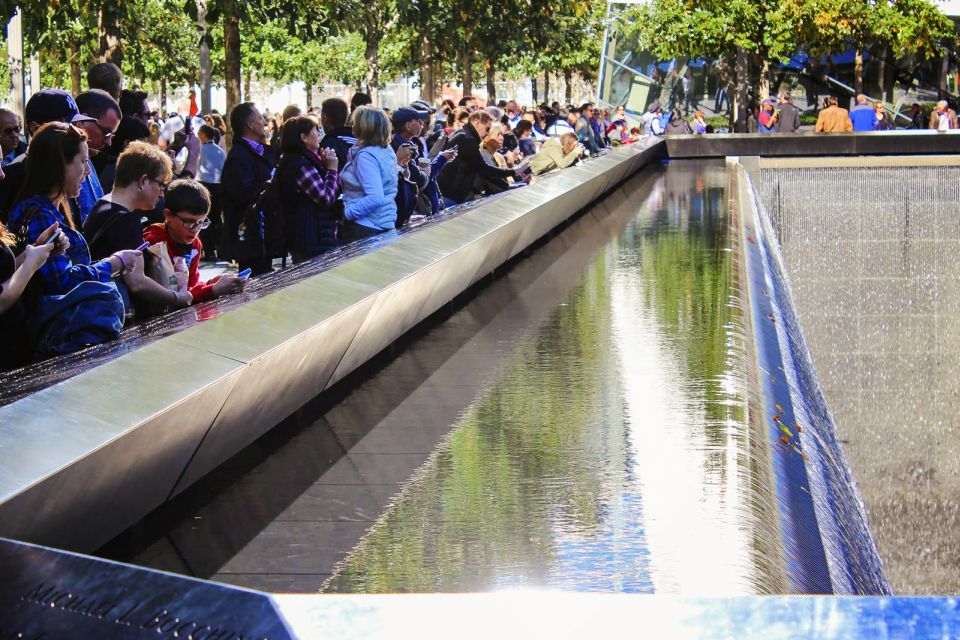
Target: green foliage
[341,40]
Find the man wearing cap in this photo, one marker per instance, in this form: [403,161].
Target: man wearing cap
[407,126]
[431,201]
[46,105]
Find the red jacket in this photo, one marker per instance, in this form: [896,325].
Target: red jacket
[200,291]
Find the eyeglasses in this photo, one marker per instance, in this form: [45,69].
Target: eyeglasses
[7,131]
[107,134]
[194,224]
[160,183]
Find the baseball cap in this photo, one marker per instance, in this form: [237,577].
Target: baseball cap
[54,105]
[405,114]
[422,105]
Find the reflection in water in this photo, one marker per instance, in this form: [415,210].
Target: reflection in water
[613,454]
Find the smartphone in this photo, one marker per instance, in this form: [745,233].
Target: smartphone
[143,246]
[53,238]
[245,273]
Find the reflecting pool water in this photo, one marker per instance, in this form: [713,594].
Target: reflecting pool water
[612,454]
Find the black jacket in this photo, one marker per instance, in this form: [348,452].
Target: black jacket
[309,228]
[243,177]
[340,140]
[463,178]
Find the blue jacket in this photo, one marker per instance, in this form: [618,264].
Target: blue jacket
[369,183]
[863,117]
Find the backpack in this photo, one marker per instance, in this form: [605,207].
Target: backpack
[266,216]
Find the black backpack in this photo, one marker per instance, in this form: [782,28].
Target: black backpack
[266,216]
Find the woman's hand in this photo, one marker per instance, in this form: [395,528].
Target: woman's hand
[330,157]
[35,255]
[449,154]
[60,245]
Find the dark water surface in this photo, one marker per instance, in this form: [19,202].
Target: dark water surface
[578,425]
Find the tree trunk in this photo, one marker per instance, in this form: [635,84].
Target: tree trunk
[308,87]
[163,98]
[546,85]
[568,81]
[108,26]
[764,88]
[205,71]
[533,90]
[371,80]
[740,107]
[231,59]
[427,85]
[466,67]
[75,73]
[491,81]
[882,74]
[944,71]
[858,71]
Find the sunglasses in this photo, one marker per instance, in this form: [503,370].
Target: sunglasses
[9,130]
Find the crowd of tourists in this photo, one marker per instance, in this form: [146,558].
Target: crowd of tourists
[107,208]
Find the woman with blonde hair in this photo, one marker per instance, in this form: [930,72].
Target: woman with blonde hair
[369,179]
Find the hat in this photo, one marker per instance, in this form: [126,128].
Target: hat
[422,105]
[654,107]
[405,114]
[53,105]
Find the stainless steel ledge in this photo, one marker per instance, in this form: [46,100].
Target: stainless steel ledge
[85,458]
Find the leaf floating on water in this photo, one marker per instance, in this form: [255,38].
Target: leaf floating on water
[797,427]
[776,419]
[752,239]
[785,439]
[786,430]
[778,408]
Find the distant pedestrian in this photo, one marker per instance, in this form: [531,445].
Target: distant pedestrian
[916,117]
[884,121]
[833,119]
[767,120]
[652,124]
[789,119]
[678,125]
[863,116]
[943,117]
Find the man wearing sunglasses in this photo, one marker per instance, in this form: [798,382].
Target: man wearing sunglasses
[104,114]
[10,142]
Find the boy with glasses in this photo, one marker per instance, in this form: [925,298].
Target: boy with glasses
[185,214]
